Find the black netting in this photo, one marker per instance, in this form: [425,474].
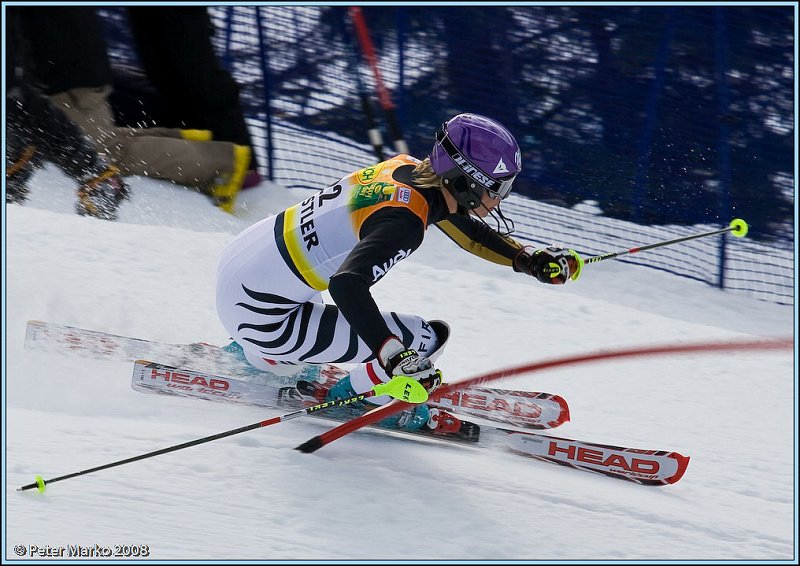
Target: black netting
[676,118]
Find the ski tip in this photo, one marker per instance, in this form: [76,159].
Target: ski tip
[683,463]
[311,445]
[564,416]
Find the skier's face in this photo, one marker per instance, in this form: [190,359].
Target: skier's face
[488,203]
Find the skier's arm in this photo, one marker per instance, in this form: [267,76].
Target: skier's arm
[479,239]
[387,237]
[549,265]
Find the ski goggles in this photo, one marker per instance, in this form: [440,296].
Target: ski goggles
[497,188]
[505,188]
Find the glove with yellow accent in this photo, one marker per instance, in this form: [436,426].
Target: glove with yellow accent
[552,264]
[396,359]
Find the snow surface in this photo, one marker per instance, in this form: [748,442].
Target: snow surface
[373,496]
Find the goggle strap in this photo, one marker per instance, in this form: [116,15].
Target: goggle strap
[498,217]
[506,221]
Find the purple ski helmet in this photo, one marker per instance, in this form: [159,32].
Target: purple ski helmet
[473,154]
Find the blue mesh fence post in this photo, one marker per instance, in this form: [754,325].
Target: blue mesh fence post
[724,158]
[227,26]
[263,50]
[400,22]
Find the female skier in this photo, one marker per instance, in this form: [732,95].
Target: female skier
[346,237]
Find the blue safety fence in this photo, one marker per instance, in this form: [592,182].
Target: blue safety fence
[669,120]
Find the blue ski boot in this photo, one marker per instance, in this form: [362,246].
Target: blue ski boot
[235,349]
[343,390]
[410,419]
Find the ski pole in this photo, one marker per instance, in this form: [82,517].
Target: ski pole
[400,387]
[737,227]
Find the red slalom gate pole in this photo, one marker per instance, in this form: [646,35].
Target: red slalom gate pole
[368,49]
[389,409]
[369,54]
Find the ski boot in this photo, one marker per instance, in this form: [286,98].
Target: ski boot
[411,419]
[419,418]
[235,350]
[343,390]
[100,195]
[442,423]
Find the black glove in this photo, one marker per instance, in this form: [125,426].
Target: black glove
[396,359]
[100,195]
[552,264]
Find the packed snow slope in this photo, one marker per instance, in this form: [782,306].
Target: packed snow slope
[374,496]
